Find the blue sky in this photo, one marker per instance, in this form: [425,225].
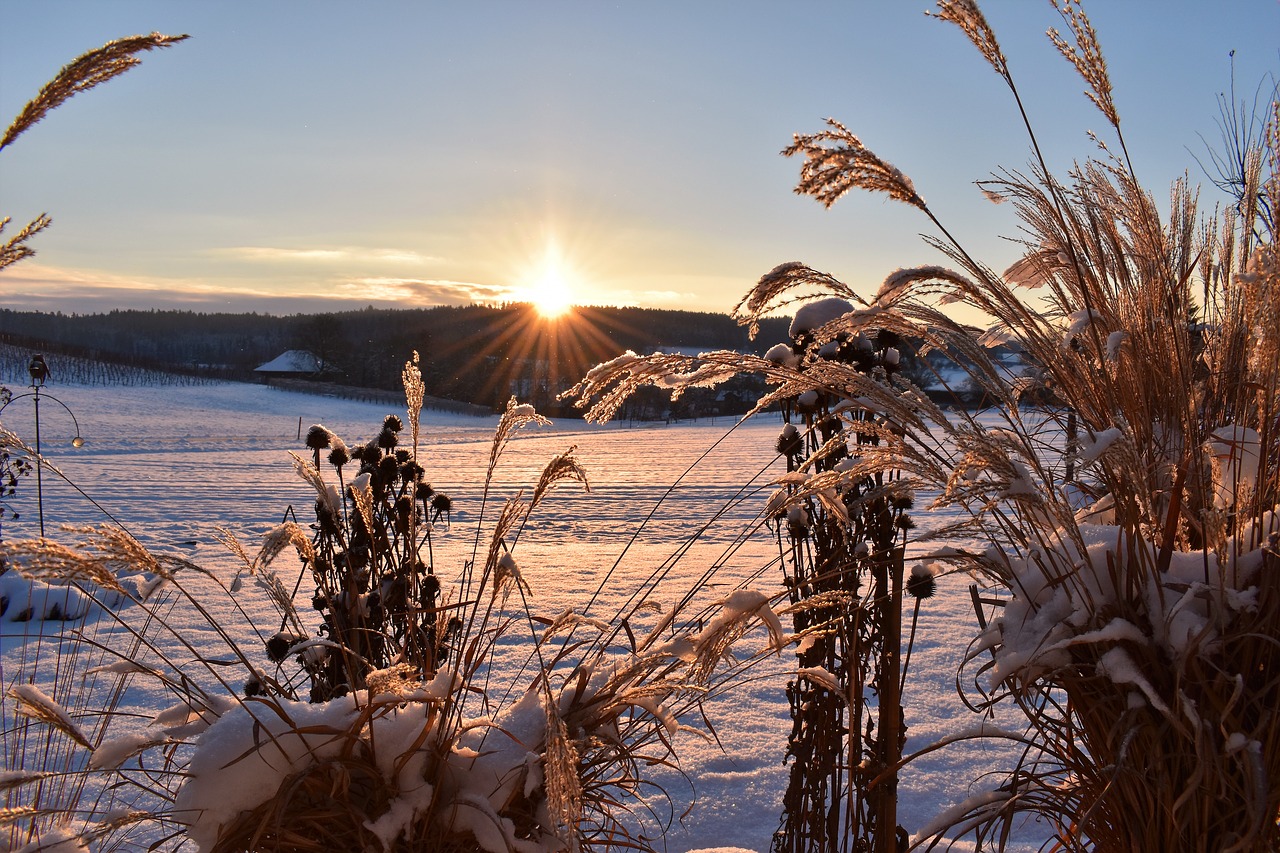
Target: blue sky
[308,156]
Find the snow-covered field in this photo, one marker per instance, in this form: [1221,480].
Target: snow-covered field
[172,464]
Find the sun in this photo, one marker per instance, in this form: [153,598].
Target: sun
[551,294]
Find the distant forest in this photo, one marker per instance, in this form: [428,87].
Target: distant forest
[476,353]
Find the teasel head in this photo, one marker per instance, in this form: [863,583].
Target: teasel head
[253,687]
[921,584]
[410,471]
[798,522]
[279,644]
[405,509]
[808,401]
[318,437]
[886,339]
[388,470]
[789,441]
[326,519]
[338,453]
[367,454]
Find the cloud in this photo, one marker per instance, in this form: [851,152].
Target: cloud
[35,287]
[38,281]
[329,255]
[423,291]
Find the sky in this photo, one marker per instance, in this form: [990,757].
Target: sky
[297,157]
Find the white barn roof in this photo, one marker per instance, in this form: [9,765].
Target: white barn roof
[293,361]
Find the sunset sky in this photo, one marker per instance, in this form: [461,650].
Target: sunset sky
[315,156]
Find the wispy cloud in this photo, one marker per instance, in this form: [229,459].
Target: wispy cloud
[422,291]
[327,255]
[36,287]
[52,281]
[32,286]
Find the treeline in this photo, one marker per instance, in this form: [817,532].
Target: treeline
[232,342]
[477,354]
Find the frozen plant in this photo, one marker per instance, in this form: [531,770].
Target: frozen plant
[841,532]
[369,564]
[856,445]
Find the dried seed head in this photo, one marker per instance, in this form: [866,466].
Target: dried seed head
[318,437]
[836,162]
[922,584]
[789,442]
[966,15]
[279,644]
[1086,56]
[338,454]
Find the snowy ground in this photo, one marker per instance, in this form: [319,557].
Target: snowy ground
[172,464]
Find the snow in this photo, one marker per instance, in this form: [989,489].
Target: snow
[1094,445]
[814,315]
[22,600]
[782,354]
[1079,322]
[173,464]
[1059,591]
[250,750]
[1236,453]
